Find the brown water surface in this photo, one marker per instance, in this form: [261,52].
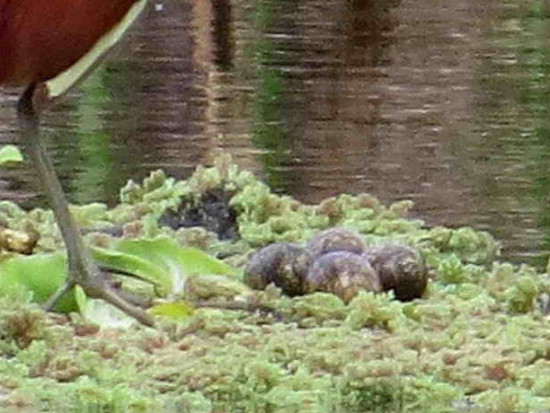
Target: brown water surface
[445,103]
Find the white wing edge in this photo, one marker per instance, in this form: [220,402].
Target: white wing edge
[60,84]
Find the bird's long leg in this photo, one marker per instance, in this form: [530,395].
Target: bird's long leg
[82,269]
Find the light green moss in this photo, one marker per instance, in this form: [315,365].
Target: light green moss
[478,340]
[370,310]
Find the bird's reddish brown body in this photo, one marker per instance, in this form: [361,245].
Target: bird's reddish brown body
[41,38]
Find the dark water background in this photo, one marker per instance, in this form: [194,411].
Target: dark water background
[443,102]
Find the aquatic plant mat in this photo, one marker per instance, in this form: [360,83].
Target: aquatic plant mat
[477,341]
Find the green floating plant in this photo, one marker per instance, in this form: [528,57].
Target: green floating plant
[10,153]
[160,262]
[174,310]
[41,274]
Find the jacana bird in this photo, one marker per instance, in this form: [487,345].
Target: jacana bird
[48,46]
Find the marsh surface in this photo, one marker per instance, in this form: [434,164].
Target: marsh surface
[445,103]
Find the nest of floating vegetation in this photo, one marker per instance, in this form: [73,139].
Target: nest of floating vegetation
[465,333]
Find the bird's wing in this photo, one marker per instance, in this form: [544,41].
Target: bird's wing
[60,84]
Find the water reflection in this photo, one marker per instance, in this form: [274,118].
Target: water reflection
[321,82]
[445,103]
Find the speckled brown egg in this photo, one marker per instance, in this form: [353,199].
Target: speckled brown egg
[274,264]
[330,240]
[342,273]
[401,268]
[335,239]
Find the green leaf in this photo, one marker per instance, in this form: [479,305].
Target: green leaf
[162,262]
[176,310]
[100,312]
[42,274]
[10,153]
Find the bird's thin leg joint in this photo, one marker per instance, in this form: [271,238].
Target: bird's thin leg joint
[82,269]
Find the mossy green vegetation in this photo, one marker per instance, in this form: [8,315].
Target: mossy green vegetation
[477,341]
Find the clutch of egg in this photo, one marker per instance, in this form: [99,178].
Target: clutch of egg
[337,261]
